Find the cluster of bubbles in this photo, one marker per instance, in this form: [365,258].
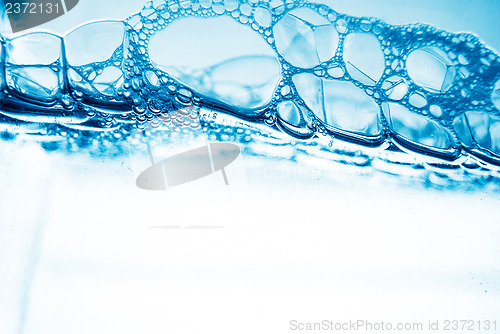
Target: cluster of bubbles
[410,88]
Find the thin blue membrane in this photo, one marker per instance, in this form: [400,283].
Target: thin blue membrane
[276,72]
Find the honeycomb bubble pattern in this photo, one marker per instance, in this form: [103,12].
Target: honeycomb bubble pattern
[412,88]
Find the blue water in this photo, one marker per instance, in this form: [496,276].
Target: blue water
[288,73]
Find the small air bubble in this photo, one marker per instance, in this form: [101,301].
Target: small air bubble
[436,110]
[365,25]
[151,78]
[336,72]
[184,95]
[285,90]
[136,84]
[218,8]
[67,102]
[418,100]
[341,26]
[462,60]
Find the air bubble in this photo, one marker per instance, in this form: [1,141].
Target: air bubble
[430,68]
[339,104]
[435,110]
[218,8]
[230,5]
[136,84]
[184,96]
[462,60]
[341,26]
[29,65]
[185,4]
[305,39]
[151,78]
[365,25]
[285,90]
[476,127]
[246,9]
[464,73]
[336,71]
[418,100]
[416,128]
[206,3]
[395,87]
[363,57]
[155,105]
[263,17]
[67,102]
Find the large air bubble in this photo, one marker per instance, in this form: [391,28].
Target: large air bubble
[208,55]
[430,68]
[480,128]
[363,57]
[305,38]
[94,58]
[416,128]
[93,42]
[339,104]
[33,66]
